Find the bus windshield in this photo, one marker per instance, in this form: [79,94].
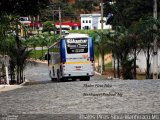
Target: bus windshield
[77,45]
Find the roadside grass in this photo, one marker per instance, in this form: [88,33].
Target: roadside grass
[141,76]
[90,32]
[82,31]
[37,54]
[109,72]
[108,66]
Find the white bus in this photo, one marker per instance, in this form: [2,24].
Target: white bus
[71,58]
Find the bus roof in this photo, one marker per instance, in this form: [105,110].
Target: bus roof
[76,35]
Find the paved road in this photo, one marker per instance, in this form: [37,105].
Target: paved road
[81,99]
[39,72]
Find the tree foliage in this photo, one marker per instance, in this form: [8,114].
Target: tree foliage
[136,17]
[128,12]
[48,26]
[101,43]
[86,6]
[52,11]
[22,7]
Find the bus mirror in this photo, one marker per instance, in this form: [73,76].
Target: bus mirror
[47,56]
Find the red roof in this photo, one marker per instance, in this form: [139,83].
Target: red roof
[71,24]
[36,24]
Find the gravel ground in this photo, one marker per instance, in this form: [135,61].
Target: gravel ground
[72,100]
[91,97]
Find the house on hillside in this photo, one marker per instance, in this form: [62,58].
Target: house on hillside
[28,23]
[69,25]
[93,22]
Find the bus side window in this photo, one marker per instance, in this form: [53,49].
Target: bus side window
[57,58]
[54,58]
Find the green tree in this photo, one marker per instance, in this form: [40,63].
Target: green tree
[121,46]
[13,47]
[100,41]
[97,55]
[33,42]
[9,24]
[147,34]
[22,7]
[42,42]
[51,13]
[128,12]
[5,28]
[86,6]
[48,26]
[18,55]
[125,15]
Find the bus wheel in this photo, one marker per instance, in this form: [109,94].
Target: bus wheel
[87,78]
[53,79]
[63,79]
[74,79]
[58,75]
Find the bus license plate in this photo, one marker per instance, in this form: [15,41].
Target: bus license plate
[78,67]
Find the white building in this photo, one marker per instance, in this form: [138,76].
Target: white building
[93,22]
[141,62]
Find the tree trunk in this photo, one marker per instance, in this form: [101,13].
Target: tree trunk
[135,66]
[35,56]
[17,75]
[114,66]
[118,69]
[148,64]
[42,52]
[103,64]
[20,75]
[98,64]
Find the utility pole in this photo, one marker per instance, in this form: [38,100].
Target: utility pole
[60,22]
[101,15]
[60,17]
[101,3]
[155,46]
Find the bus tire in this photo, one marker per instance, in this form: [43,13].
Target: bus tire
[63,79]
[53,79]
[74,79]
[58,75]
[86,78]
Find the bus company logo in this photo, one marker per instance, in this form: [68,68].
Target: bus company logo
[85,56]
[76,41]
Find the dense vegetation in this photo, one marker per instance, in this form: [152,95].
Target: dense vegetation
[133,25]
[10,42]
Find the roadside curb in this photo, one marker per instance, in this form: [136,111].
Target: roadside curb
[9,87]
[109,77]
[4,87]
[97,73]
[28,82]
[39,61]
